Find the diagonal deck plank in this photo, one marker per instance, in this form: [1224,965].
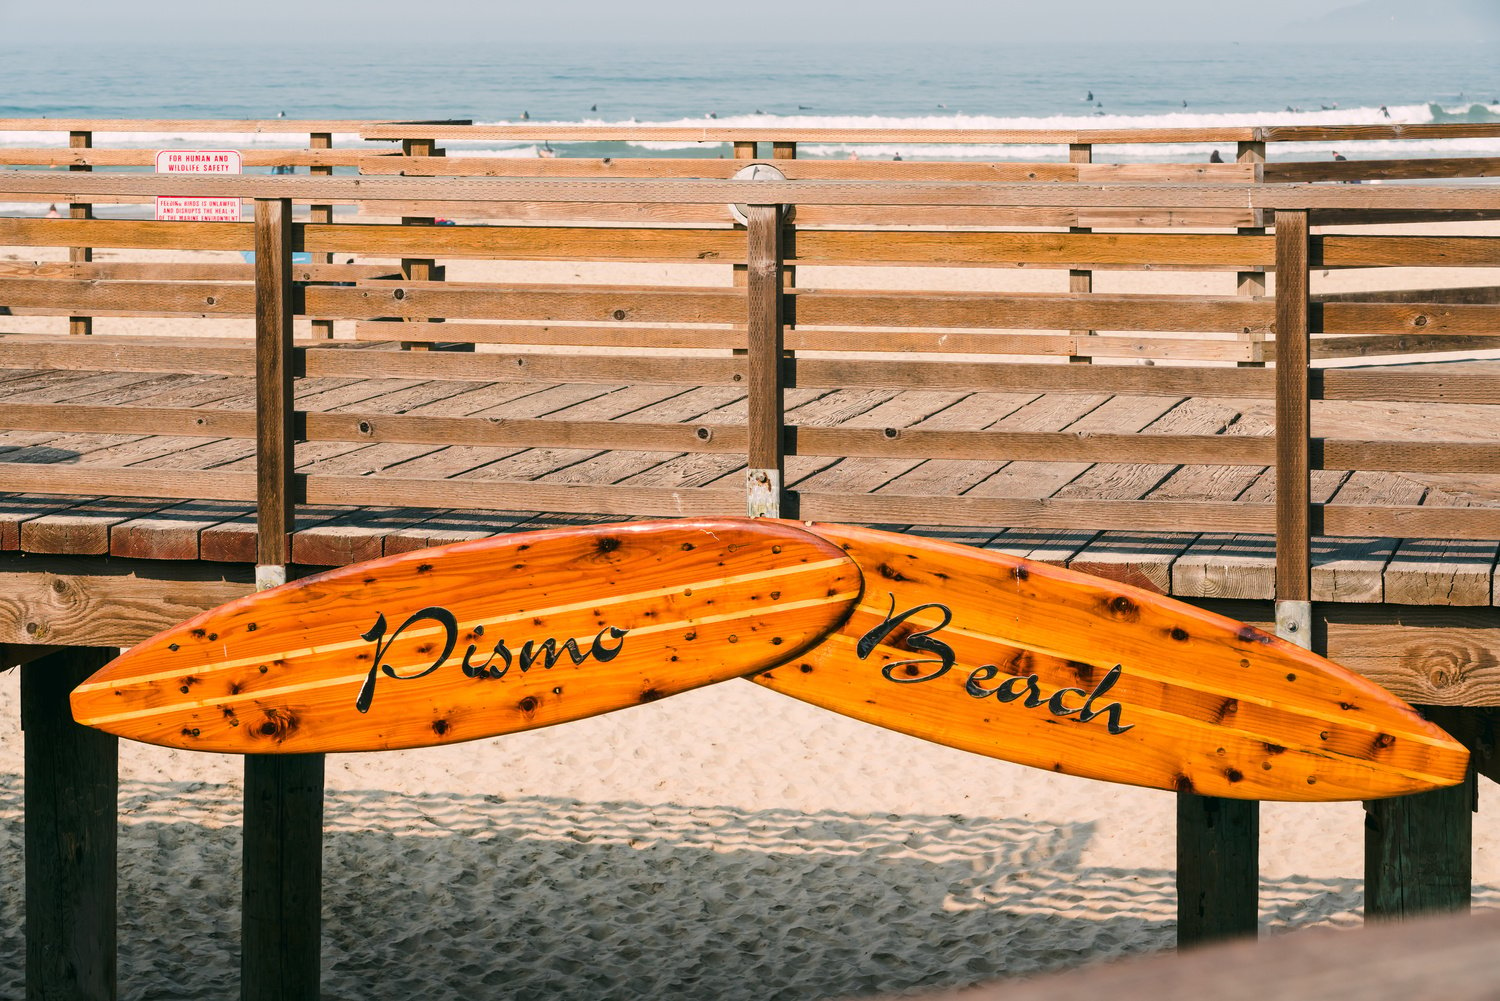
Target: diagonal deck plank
[1145,559]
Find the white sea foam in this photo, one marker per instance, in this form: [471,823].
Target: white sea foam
[1409,114]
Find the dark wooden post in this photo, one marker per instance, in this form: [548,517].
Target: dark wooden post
[1419,849]
[763,295]
[1218,869]
[281,903]
[72,789]
[80,210]
[1080,281]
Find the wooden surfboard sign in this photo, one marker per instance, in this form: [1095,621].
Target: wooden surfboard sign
[478,638]
[966,647]
[1077,674]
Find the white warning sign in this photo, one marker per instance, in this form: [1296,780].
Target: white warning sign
[196,208]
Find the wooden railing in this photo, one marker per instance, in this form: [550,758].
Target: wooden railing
[739,338]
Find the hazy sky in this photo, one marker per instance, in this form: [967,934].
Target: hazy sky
[626,21]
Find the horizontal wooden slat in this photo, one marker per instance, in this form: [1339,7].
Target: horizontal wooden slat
[819,373]
[96,157]
[126,233]
[1409,456]
[1405,252]
[1168,516]
[1035,311]
[189,271]
[914,443]
[466,367]
[534,433]
[1403,456]
[910,216]
[127,420]
[212,356]
[1405,387]
[184,126]
[1382,170]
[1228,252]
[1365,346]
[1387,217]
[204,356]
[1404,318]
[887,170]
[1349,133]
[1467,294]
[723,338]
[208,356]
[526,242]
[72,297]
[536,131]
[661,305]
[528,302]
[1412,522]
[491,495]
[84,480]
[79,187]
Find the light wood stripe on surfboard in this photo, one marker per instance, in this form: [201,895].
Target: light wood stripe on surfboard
[420,632]
[1136,671]
[257,695]
[843,644]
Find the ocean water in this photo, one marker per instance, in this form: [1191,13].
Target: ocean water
[802,85]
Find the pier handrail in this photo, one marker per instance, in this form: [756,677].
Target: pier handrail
[63,186]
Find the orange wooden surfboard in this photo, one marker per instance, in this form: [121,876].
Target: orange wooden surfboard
[1077,674]
[479,638]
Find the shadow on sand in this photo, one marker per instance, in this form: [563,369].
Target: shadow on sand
[478,896]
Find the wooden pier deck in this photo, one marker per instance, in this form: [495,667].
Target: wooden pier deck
[1222,565]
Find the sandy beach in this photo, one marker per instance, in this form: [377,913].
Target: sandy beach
[727,843]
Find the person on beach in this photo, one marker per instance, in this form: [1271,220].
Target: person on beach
[52,212]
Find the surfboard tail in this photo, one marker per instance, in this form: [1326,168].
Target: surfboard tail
[1072,673]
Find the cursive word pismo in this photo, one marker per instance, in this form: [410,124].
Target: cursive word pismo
[546,652]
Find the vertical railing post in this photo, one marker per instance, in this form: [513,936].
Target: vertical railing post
[418,269]
[787,151]
[1293,423]
[321,329]
[71,832]
[1252,283]
[764,339]
[281,900]
[1080,281]
[273,388]
[80,210]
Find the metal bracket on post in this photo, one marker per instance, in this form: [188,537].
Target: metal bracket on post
[763,493]
[269,576]
[759,172]
[1294,622]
